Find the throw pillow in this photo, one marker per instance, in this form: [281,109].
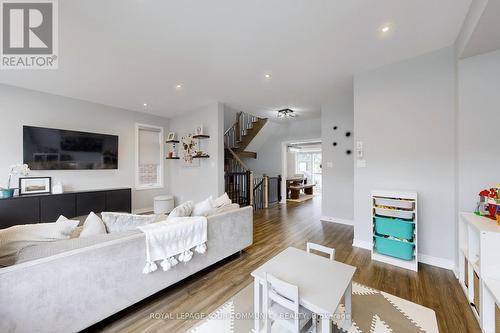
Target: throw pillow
[182,210]
[93,226]
[226,208]
[203,208]
[118,222]
[221,201]
[13,239]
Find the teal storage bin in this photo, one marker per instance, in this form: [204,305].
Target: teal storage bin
[394,248]
[394,227]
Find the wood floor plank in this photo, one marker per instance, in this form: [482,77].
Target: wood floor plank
[274,230]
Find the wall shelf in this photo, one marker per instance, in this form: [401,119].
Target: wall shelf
[172,141]
[172,158]
[203,156]
[201,136]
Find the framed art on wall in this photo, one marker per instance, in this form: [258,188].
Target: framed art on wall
[171,136]
[189,148]
[34,185]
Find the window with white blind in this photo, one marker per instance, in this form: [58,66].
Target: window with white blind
[149,157]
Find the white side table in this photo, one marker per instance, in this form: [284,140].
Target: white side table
[163,204]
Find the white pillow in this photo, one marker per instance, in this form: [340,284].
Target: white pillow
[221,201]
[61,229]
[118,222]
[182,210]
[16,237]
[203,208]
[93,225]
[226,208]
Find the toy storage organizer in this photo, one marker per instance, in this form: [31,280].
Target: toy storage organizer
[394,228]
[479,268]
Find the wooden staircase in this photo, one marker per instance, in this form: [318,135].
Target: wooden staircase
[238,137]
[239,182]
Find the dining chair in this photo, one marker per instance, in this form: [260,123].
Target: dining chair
[322,249]
[283,306]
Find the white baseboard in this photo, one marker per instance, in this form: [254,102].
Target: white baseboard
[143,210]
[423,258]
[435,261]
[362,244]
[336,220]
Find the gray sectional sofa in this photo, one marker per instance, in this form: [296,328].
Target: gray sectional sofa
[72,290]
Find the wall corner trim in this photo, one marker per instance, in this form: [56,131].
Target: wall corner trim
[336,220]
[362,244]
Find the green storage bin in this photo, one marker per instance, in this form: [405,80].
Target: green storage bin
[394,248]
[394,227]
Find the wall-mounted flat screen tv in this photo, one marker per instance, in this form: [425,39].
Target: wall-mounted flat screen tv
[57,149]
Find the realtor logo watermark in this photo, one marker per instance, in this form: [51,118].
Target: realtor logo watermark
[29,34]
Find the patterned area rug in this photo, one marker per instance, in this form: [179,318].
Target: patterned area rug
[374,311]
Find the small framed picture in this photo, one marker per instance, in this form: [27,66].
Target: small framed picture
[171,136]
[199,130]
[34,185]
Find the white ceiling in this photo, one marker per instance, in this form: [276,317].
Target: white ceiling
[128,52]
[486,35]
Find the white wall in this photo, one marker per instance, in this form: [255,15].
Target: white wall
[229,116]
[197,183]
[404,114]
[291,161]
[338,179]
[478,127]
[20,107]
[268,143]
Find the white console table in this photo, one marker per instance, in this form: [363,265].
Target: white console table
[479,267]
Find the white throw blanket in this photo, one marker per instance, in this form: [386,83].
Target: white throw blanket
[176,237]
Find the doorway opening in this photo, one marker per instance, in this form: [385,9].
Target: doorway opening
[302,168]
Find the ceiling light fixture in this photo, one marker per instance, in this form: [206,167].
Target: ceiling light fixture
[286,113]
[386,28]
[179,86]
[145,104]
[267,76]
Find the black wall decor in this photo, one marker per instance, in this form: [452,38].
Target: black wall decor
[347,134]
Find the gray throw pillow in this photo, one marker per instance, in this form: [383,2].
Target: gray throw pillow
[183,210]
[118,222]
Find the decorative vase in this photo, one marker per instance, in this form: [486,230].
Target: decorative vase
[6,193]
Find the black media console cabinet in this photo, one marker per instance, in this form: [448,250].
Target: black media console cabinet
[48,207]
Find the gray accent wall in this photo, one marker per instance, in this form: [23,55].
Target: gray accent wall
[405,115]
[20,107]
[338,167]
[478,127]
[197,183]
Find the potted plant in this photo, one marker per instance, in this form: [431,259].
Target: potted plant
[15,170]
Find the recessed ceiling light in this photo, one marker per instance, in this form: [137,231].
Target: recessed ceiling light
[145,104]
[179,86]
[267,76]
[386,28]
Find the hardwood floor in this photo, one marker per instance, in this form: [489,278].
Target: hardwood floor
[275,229]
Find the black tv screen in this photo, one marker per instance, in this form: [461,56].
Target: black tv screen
[57,149]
